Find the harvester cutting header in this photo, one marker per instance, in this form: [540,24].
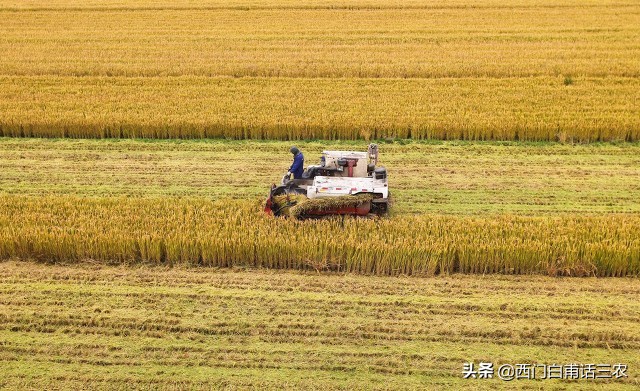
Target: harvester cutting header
[344,183]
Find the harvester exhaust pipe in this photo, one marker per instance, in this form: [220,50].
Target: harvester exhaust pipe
[373,154]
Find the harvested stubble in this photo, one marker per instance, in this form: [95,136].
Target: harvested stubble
[440,178]
[236,233]
[88,326]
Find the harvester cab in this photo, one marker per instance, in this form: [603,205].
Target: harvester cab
[344,183]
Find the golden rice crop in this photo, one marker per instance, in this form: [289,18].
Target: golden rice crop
[540,108]
[298,206]
[303,209]
[339,39]
[235,233]
[282,204]
[329,69]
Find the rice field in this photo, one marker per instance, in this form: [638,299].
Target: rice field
[139,138]
[197,203]
[333,69]
[94,327]
[227,234]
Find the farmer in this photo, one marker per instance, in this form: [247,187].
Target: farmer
[298,163]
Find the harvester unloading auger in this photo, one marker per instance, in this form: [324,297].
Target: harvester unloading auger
[344,183]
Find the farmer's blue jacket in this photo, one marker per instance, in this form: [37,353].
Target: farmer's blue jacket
[297,166]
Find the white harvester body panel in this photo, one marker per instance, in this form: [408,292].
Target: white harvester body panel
[324,186]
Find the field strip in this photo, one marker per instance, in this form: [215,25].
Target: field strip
[166,5]
[228,233]
[526,109]
[441,178]
[514,70]
[473,208]
[597,40]
[293,330]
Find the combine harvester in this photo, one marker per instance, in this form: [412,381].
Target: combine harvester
[345,183]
